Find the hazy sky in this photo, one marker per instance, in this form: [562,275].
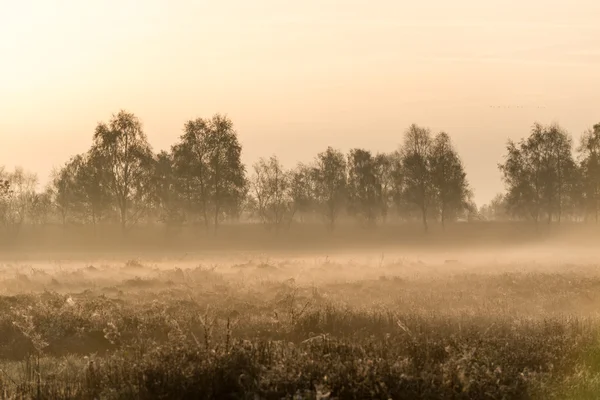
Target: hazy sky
[297,76]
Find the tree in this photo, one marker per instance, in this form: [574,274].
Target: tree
[589,158]
[330,184]
[540,173]
[4,186]
[302,189]
[41,207]
[123,148]
[561,171]
[449,179]
[364,186]
[207,162]
[388,174]
[391,174]
[92,181]
[166,196]
[416,156]
[271,189]
[63,188]
[496,210]
[229,184]
[17,202]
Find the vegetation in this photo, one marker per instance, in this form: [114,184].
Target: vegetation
[297,328]
[261,329]
[201,181]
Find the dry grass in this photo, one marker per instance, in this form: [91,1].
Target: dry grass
[359,326]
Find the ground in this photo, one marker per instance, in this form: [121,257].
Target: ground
[372,324]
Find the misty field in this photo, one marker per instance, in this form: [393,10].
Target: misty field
[348,326]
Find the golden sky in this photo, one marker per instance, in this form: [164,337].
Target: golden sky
[297,76]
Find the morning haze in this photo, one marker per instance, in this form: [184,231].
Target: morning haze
[297,77]
[312,199]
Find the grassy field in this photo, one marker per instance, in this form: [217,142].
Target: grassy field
[462,325]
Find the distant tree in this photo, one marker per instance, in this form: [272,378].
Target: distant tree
[496,210]
[207,161]
[449,179]
[416,156]
[64,188]
[560,170]
[191,171]
[166,196]
[41,207]
[93,191]
[16,203]
[271,190]
[229,185]
[302,189]
[4,185]
[539,173]
[589,158]
[364,186]
[392,177]
[330,184]
[388,174]
[520,175]
[123,148]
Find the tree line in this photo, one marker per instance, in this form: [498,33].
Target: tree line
[548,179]
[201,181]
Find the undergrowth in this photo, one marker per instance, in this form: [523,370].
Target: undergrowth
[194,334]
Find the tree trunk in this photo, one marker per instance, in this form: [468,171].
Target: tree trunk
[94,221]
[424,215]
[124,217]
[216,227]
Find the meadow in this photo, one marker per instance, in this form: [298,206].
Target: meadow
[382,322]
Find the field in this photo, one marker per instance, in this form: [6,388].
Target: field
[493,323]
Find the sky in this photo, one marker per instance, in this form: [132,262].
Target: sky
[297,76]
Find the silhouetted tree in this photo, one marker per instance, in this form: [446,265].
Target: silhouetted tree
[364,186]
[539,173]
[207,161]
[41,207]
[496,210]
[92,181]
[302,189]
[330,184]
[123,148]
[63,189]
[415,153]
[387,173]
[271,189]
[165,194]
[449,179]
[589,155]
[16,203]
[4,185]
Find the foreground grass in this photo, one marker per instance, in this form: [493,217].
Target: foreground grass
[202,334]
